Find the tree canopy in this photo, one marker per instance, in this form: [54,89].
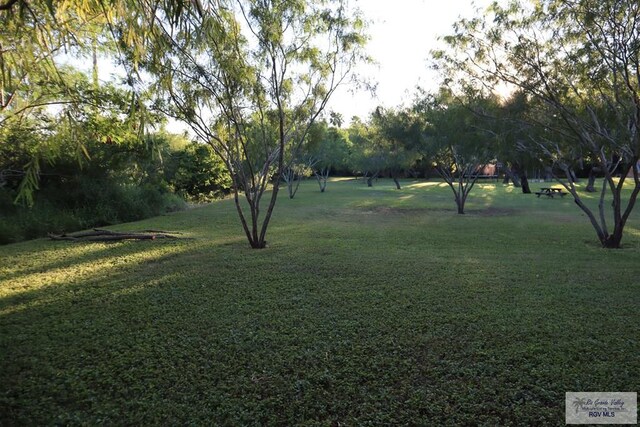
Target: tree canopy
[250,78]
[578,64]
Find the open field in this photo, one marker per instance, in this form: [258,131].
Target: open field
[371,306]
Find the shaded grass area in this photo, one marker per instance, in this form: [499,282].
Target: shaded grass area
[371,306]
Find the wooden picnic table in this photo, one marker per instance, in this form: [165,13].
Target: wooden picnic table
[550,192]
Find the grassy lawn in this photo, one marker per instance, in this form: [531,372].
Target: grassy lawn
[371,306]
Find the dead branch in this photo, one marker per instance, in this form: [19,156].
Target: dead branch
[159,231]
[102,235]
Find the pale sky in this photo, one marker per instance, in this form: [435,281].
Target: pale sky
[402,34]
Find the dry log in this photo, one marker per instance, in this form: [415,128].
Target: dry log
[102,235]
[94,232]
[116,237]
[62,237]
[159,232]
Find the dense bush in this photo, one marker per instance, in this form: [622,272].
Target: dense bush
[90,205]
[112,181]
[196,174]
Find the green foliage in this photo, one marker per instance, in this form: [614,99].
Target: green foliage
[398,135]
[366,156]
[583,97]
[79,204]
[197,174]
[251,79]
[452,124]
[391,302]
[121,178]
[387,143]
[34,36]
[328,146]
[455,139]
[40,94]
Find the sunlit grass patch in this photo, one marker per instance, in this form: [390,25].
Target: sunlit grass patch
[425,184]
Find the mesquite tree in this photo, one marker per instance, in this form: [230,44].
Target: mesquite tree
[250,77]
[454,140]
[578,63]
[294,173]
[329,148]
[459,172]
[396,133]
[509,130]
[367,156]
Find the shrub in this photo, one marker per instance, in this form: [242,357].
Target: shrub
[121,181]
[197,174]
[84,204]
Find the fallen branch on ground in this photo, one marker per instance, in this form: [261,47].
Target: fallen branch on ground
[102,235]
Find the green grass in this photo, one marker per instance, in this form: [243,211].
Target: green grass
[371,306]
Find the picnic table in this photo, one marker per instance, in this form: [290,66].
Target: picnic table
[550,192]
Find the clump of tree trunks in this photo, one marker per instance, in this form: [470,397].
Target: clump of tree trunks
[101,235]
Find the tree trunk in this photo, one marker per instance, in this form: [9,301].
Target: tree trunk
[322,178]
[237,184]
[614,240]
[464,188]
[260,241]
[292,179]
[548,174]
[591,184]
[525,183]
[397,183]
[572,176]
[257,244]
[460,185]
[371,178]
[513,175]
[520,176]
